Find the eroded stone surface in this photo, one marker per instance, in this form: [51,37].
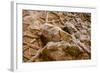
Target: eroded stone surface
[54,36]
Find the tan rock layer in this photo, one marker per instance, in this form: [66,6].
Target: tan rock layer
[55,36]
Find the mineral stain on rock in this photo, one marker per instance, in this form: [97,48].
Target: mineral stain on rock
[56,36]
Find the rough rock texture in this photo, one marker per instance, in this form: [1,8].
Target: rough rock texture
[56,36]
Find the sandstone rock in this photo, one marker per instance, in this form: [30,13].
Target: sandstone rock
[55,51]
[55,36]
[54,33]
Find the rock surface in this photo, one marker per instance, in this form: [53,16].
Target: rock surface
[56,36]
